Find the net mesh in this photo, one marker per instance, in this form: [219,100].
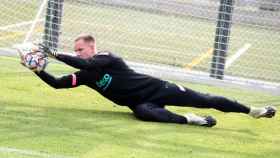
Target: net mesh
[172,33]
[16,18]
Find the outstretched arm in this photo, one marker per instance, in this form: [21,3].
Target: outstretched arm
[68,81]
[28,55]
[76,62]
[101,59]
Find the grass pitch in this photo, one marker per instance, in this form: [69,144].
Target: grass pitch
[37,120]
[151,37]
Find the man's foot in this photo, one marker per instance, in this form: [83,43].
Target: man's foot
[267,111]
[207,121]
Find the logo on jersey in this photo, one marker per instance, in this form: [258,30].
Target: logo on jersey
[104,82]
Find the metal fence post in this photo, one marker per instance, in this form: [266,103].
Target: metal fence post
[52,23]
[222,38]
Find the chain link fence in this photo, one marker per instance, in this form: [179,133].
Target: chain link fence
[173,36]
[16,17]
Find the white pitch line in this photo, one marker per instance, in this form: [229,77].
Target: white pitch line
[4,28]
[30,153]
[37,19]
[237,54]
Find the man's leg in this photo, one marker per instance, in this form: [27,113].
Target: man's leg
[156,113]
[173,94]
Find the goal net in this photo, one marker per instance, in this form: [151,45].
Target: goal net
[20,21]
[176,39]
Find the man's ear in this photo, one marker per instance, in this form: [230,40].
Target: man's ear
[93,46]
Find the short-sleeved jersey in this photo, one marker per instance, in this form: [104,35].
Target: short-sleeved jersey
[109,75]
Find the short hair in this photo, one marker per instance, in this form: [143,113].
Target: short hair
[85,37]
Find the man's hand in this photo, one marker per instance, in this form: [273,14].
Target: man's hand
[48,51]
[36,62]
[25,48]
[31,57]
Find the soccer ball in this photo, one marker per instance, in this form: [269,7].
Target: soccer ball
[31,57]
[35,61]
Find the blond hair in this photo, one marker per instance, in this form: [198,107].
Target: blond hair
[85,37]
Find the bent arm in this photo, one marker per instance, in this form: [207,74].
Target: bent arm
[68,81]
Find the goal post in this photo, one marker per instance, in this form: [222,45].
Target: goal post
[221,43]
[177,36]
[20,21]
[175,39]
[35,21]
[54,12]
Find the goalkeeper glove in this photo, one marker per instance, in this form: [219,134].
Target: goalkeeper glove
[34,61]
[31,57]
[48,51]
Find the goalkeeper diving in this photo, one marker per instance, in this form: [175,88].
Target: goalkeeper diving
[146,96]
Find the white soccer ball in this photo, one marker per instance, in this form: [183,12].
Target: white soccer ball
[31,57]
[35,61]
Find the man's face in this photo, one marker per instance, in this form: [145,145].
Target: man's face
[84,49]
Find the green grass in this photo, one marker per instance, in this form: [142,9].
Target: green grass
[152,37]
[14,12]
[173,40]
[81,123]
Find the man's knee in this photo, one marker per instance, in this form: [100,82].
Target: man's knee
[144,111]
[156,113]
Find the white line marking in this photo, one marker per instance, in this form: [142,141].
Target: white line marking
[37,19]
[31,153]
[237,54]
[7,27]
